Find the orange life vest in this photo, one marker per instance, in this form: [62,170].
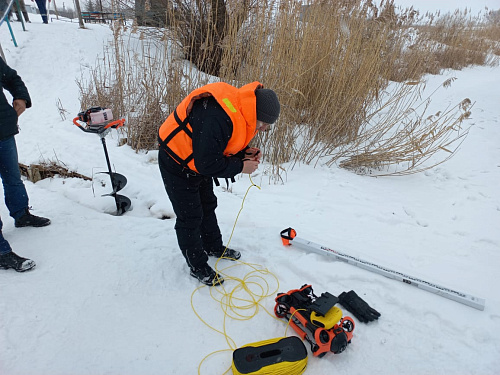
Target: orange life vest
[175,133]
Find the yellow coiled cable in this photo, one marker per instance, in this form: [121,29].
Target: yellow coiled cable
[243,301]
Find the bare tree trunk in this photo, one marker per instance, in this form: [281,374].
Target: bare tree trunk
[202,27]
[140,11]
[79,12]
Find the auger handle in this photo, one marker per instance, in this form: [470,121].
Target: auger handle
[78,124]
[113,124]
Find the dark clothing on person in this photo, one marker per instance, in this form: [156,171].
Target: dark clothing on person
[10,80]
[22,9]
[206,137]
[194,204]
[43,10]
[16,197]
[3,8]
[212,130]
[191,194]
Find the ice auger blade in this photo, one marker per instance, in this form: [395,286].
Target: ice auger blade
[123,204]
[118,181]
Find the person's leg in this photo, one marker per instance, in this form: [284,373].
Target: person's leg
[42,9]
[24,11]
[16,197]
[9,259]
[210,231]
[183,193]
[15,10]
[4,245]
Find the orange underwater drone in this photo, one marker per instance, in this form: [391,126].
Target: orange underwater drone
[318,316]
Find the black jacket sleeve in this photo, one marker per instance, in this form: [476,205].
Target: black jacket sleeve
[13,83]
[212,129]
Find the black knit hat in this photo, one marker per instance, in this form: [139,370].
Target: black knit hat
[268,105]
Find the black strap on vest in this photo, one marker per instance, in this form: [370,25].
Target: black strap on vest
[217,183]
[163,143]
[183,162]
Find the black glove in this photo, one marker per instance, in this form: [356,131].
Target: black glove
[359,308]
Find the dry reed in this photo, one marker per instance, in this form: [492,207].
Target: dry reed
[329,62]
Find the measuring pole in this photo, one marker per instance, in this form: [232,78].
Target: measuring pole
[288,237]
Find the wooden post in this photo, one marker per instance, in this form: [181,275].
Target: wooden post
[79,12]
[55,9]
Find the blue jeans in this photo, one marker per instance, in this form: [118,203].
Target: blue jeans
[4,245]
[16,197]
[43,10]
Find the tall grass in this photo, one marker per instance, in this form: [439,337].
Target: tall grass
[330,64]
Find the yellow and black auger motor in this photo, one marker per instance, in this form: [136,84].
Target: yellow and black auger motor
[308,313]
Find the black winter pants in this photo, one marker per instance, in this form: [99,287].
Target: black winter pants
[194,204]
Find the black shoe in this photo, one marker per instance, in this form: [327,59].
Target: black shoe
[207,275]
[29,220]
[12,260]
[225,253]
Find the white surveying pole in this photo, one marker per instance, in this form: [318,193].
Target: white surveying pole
[288,237]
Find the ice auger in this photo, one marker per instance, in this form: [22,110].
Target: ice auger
[99,121]
[308,313]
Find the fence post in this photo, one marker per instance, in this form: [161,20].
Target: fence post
[11,32]
[55,8]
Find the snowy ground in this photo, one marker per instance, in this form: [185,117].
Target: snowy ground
[112,295]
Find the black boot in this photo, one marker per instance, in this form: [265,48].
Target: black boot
[29,220]
[225,253]
[12,260]
[207,275]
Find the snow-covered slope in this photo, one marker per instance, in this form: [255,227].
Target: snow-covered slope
[112,295]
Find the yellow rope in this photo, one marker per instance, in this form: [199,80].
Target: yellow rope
[243,301]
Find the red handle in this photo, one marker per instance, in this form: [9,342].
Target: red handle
[118,123]
[76,123]
[115,124]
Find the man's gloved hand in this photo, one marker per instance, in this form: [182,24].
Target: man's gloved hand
[358,307]
[253,153]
